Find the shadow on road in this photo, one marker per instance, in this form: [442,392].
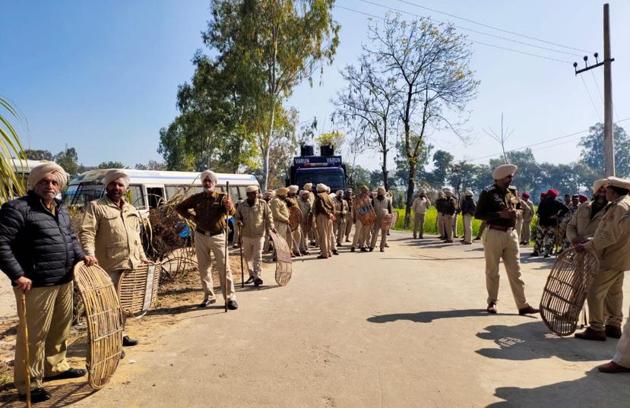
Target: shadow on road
[532,340]
[62,395]
[593,390]
[429,316]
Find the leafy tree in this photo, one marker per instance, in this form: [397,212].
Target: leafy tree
[592,153]
[431,65]
[111,165]
[442,164]
[69,160]
[32,154]
[369,104]
[357,176]
[279,43]
[151,165]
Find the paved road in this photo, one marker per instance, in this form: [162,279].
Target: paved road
[397,329]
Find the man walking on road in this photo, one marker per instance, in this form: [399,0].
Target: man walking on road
[350,214]
[324,212]
[110,231]
[341,210]
[38,251]
[468,212]
[497,206]
[255,220]
[382,207]
[210,211]
[419,207]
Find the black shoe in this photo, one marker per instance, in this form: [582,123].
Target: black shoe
[258,282]
[37,395]
[364,249]
[613,331]
[352,249]
[371,249]
[322,257]
[232,305]
[590,334]
[335,252]
[249,280]
[534,254]
[382,249]
[477,238]
[68,374]
[492,308]
[129,342]
[528,310]
[207,302]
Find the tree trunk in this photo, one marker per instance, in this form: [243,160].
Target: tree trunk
[410,190]
[385,173]
[267,148]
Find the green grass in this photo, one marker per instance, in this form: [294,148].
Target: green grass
[430,223]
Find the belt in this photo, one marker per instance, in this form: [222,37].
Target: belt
[500,227]
[208,234]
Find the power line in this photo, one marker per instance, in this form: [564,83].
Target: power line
[493,27]
[530,54]
[588,92]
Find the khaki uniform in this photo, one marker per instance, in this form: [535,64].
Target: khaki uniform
[361,231]
[257,222]
[382,208]
[280,213]
[349,217]
[611,244]
[296,234]
[339,225]
[528,213]
[419,207]
[112,235]
[307,208]
[324,209]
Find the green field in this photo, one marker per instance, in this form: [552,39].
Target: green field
[430,223]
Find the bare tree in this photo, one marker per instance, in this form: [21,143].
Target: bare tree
[431,65]
[501,138]
[368,105]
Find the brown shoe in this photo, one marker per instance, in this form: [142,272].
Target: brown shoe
[613,368]
[528,310]
[590,334]
[613,331]
[492,308]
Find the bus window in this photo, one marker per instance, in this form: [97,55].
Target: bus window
[156,196]
[136,196]
[234,194]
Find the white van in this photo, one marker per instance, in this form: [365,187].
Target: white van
[148,188]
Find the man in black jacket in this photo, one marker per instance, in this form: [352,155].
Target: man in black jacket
[38,251]
[550,212]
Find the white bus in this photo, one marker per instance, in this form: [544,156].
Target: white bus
[148,188]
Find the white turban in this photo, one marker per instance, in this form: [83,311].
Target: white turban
[468,193]
[321,188]
[113,175]
[251,189]
[293,189]
[618,182]
[380,190]
[48,169]
[504,170]
[308,186]
[209,174]
[599,184]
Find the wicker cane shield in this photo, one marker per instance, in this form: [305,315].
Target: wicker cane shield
[284,265]
[365,210]
[104,323]
[138,289]
[566,289]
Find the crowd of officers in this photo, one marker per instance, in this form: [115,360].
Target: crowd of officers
[39,248]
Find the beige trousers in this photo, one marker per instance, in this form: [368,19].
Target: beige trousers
[605,298]
[447,221]
[622,356]
[376,228]
[252,254]
[339,229]
[526,230]
[324,232]
[360,234]
[207,248]
[499,245]
[48,319]
[348,225]
[468,219]
[418,225]
[440,225]
[519,227]
[296,238]
[304,238]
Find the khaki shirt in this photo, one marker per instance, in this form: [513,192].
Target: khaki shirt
[528,209]
[420,205]
[381,207]
[341,207]
[256,218]
[581,225]
[306,207]
[279,210]
[112,235]
[611,242]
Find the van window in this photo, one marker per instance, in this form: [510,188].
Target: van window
[187,190]
[234,194]
[243,192]
[156,196]
[136,196]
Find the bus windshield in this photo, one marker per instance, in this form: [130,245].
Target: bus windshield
[332,177]
[78,195]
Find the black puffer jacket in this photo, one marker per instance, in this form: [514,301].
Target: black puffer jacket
[37,244]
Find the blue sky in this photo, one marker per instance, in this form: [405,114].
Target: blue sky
[102,76]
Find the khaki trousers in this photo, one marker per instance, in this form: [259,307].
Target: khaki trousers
[376,228]
[447,222]
[622,356]
[207,248]
[348,226]
[48,319]
[468,219]
[526,230]
[605,296]
[360,233]
[252,254]
[499,245]
[418,225]
[304,238]
[296,237]
[519,227]
[440,225]
[324,231]
[339,229]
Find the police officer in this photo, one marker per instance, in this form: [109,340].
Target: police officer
[497,206]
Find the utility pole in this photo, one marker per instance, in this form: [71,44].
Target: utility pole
[609,142]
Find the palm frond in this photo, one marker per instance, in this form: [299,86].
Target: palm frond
[10,147]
